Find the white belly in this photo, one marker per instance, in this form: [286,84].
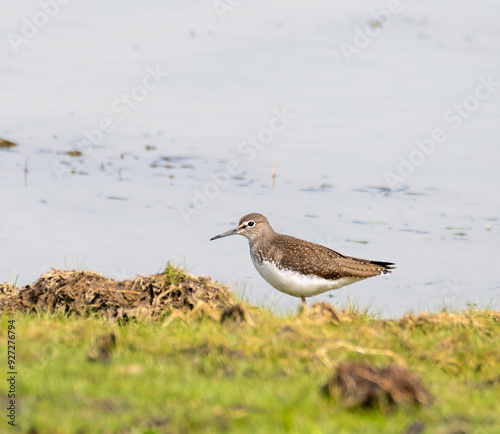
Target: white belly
[296,284]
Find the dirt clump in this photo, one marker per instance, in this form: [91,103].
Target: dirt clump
[102,349]
[236,313]
[363,385]
[86,292]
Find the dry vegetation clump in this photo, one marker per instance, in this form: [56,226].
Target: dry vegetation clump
[443,320]
[6,289]
[321,312]
[87,292]
[7,143]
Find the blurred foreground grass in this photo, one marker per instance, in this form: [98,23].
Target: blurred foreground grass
[253,372]
[194,374]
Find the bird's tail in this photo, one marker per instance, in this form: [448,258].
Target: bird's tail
[363,268]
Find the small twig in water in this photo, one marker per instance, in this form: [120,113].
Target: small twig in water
[26,172]
[274,173]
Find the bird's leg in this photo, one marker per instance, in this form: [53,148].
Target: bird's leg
[304,304]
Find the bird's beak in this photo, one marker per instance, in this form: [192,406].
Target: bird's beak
[225,234]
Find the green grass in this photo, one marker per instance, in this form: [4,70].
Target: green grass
[191,374]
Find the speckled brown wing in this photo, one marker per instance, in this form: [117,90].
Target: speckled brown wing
[363,268]
[310,258]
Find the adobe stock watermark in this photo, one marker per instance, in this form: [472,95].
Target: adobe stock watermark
[47,9]
[453,117]
[363,36]
[122,107]
[249,149]
[449,296]
[222,7]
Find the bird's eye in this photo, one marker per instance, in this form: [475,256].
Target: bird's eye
[251,223]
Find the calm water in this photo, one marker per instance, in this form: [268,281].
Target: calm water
[174,118]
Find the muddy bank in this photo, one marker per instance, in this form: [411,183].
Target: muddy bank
[86,292]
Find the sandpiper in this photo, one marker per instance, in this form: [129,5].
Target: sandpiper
[297,267]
